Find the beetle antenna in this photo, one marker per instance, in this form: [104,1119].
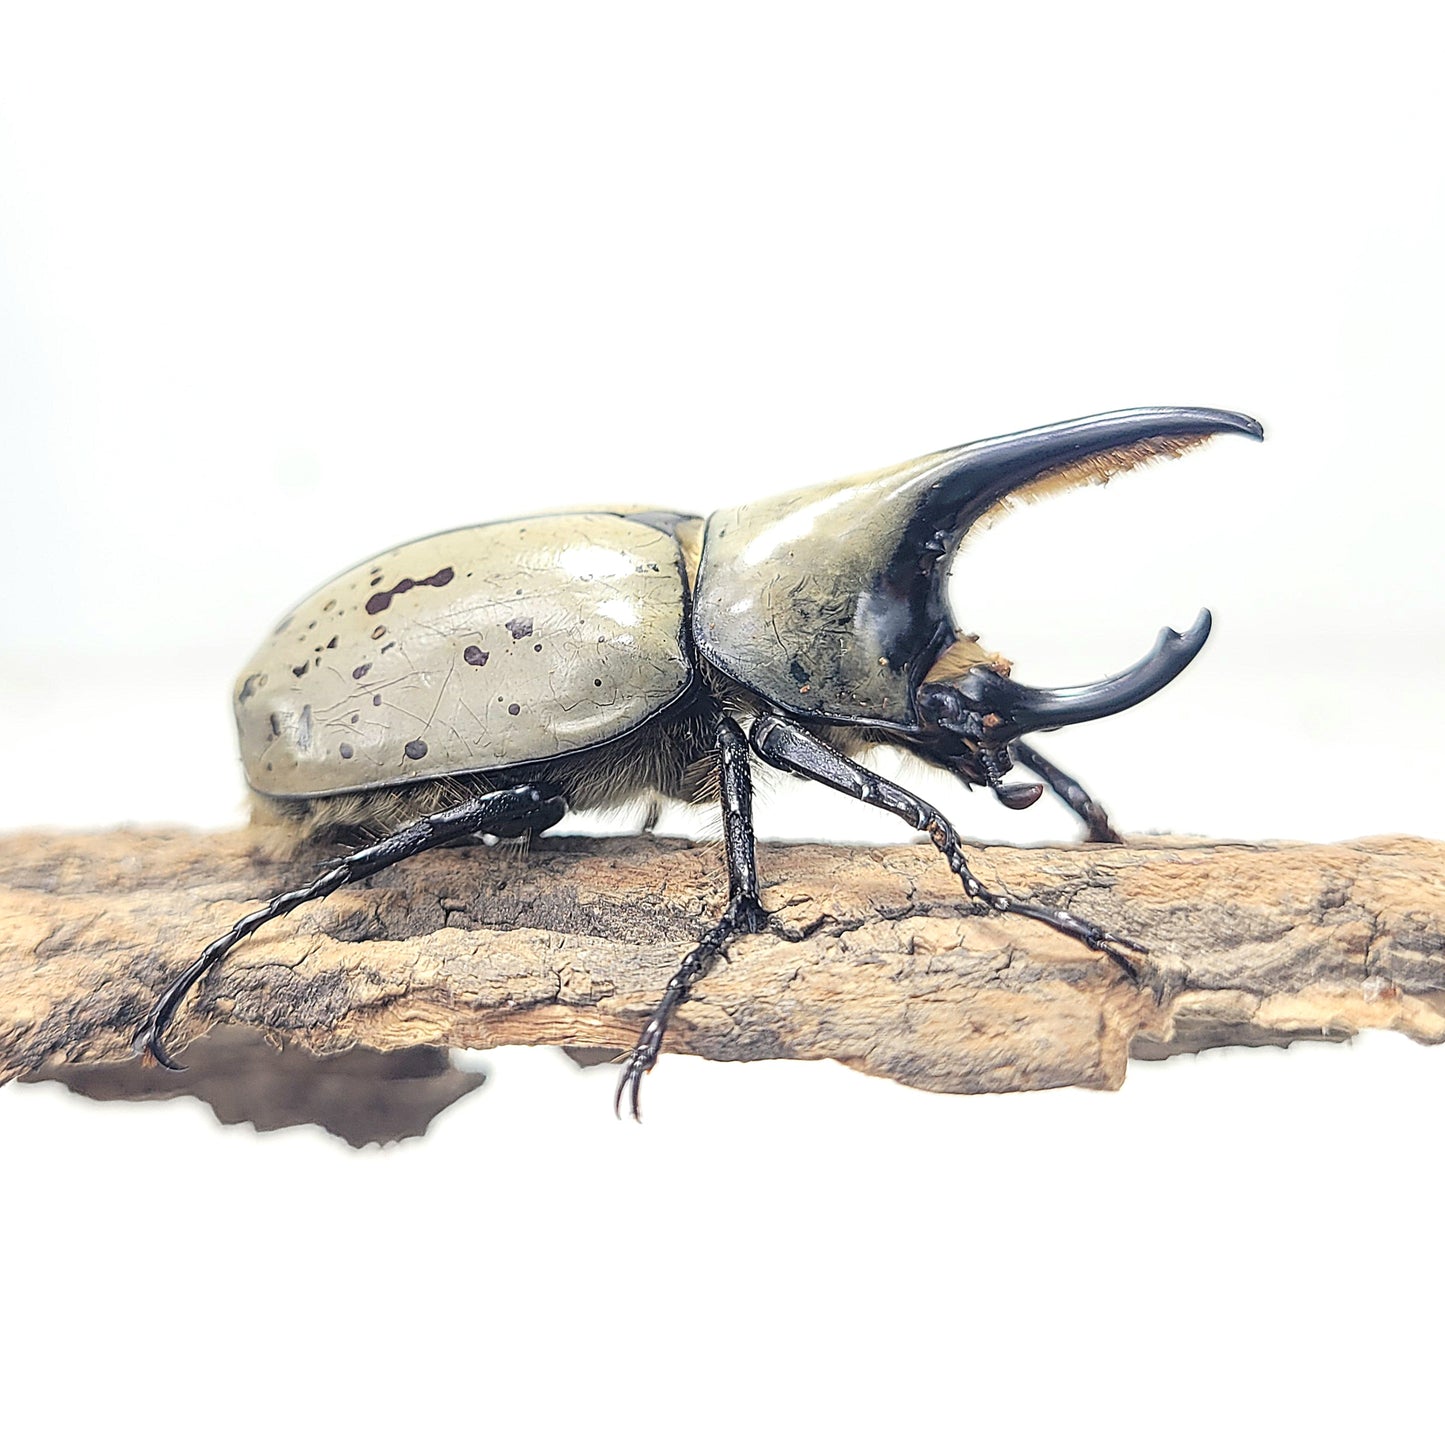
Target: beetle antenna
[1011,795]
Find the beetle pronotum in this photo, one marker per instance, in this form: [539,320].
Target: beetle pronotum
[487,680]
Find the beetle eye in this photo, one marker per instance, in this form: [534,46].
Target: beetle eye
[941,705]
[949,707]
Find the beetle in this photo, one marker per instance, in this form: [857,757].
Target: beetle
[488,680]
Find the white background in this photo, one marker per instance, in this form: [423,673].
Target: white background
[283,286]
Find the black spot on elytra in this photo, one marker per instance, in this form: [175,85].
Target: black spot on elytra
[301,671]
[332,643]
[329,605]
[475,656]
[388,646]
[415,749]
[303,729]
[380,601]
[248,688]
[377,633]
[356,717]
[515,708]
[376,700]
[800,673]
[357,673]
[275,721]
[536,647]
[520,627]
[347,751]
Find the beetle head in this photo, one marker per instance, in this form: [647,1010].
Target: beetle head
[972,718]
[832,603]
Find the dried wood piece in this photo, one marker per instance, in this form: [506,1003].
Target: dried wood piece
[874,958]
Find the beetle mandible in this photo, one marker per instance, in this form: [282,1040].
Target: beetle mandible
[487,680]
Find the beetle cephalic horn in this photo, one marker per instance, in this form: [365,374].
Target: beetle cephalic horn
[1015,709]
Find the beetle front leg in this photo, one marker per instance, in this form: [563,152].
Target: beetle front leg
[795,750]
[1069,791]
[744,912]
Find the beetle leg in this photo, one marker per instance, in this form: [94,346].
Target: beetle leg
[743,914]
[503,813]
[1069,791]
[795,750]
[546,815]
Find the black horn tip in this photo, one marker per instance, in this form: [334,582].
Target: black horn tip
[1201,420]
[1224,421]
[1194,636]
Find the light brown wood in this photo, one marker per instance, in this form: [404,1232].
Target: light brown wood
[874,958]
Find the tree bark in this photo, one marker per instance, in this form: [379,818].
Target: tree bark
[874,958]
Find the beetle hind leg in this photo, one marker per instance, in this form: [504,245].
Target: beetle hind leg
[744,913]
[793,749]
[506,812]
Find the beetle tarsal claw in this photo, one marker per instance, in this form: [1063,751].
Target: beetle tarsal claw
[153,1052]
[629,1083]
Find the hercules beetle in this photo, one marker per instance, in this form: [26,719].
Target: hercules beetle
[486,680]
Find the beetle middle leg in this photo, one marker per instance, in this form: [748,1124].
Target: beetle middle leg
[1069,791]
[793,749]
[504,813]
[744,912]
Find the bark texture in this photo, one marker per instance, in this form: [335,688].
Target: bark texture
[874,958]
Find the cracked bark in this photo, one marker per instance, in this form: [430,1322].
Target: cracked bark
[874,958]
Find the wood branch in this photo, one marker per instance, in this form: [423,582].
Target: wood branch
[874,958]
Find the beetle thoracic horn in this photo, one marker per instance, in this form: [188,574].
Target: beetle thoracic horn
[973,479]
[831,602]
[1019,709]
